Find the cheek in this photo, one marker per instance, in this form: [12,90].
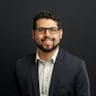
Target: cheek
[57,39]
[38,38]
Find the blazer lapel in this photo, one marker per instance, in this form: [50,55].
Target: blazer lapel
[35,79]
[56,73]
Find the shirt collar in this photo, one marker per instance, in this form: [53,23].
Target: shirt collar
[53,58]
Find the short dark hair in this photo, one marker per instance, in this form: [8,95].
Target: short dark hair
[48,15]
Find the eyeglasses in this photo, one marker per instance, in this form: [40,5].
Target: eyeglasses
[52,30]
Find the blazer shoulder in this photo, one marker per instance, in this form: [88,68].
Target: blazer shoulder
[73,57]
[23,64]
[69,55]
[72,60]
[72,64]
[26,59]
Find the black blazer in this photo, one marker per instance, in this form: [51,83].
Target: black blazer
[69,77]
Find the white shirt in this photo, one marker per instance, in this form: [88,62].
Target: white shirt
[45,69]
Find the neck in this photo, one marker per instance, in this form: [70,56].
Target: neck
[46,55]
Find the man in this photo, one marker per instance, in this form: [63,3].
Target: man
[50,71]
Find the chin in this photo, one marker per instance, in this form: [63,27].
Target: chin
[48,49]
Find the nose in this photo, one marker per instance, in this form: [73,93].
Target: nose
[47,33]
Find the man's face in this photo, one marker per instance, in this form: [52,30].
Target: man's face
[46,38]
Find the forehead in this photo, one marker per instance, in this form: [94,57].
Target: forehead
[43,22]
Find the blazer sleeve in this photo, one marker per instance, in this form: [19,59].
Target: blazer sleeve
[15,90]
[82,86]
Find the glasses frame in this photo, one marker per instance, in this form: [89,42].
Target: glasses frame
[52,30]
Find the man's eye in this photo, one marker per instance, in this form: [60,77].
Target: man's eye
[41,29]
[53,29]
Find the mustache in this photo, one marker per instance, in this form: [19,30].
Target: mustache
[46,38]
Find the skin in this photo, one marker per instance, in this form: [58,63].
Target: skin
[49,40]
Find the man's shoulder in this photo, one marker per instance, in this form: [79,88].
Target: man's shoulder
[71,58]
[72,62]
[26,58]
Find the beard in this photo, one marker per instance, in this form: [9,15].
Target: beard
[47,49]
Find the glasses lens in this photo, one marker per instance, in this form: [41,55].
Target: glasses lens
[51,29]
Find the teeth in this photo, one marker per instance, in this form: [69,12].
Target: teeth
[47,40]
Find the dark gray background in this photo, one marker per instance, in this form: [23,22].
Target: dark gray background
[78,19]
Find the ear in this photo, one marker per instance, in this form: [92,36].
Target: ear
[61,33]
[33,34]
